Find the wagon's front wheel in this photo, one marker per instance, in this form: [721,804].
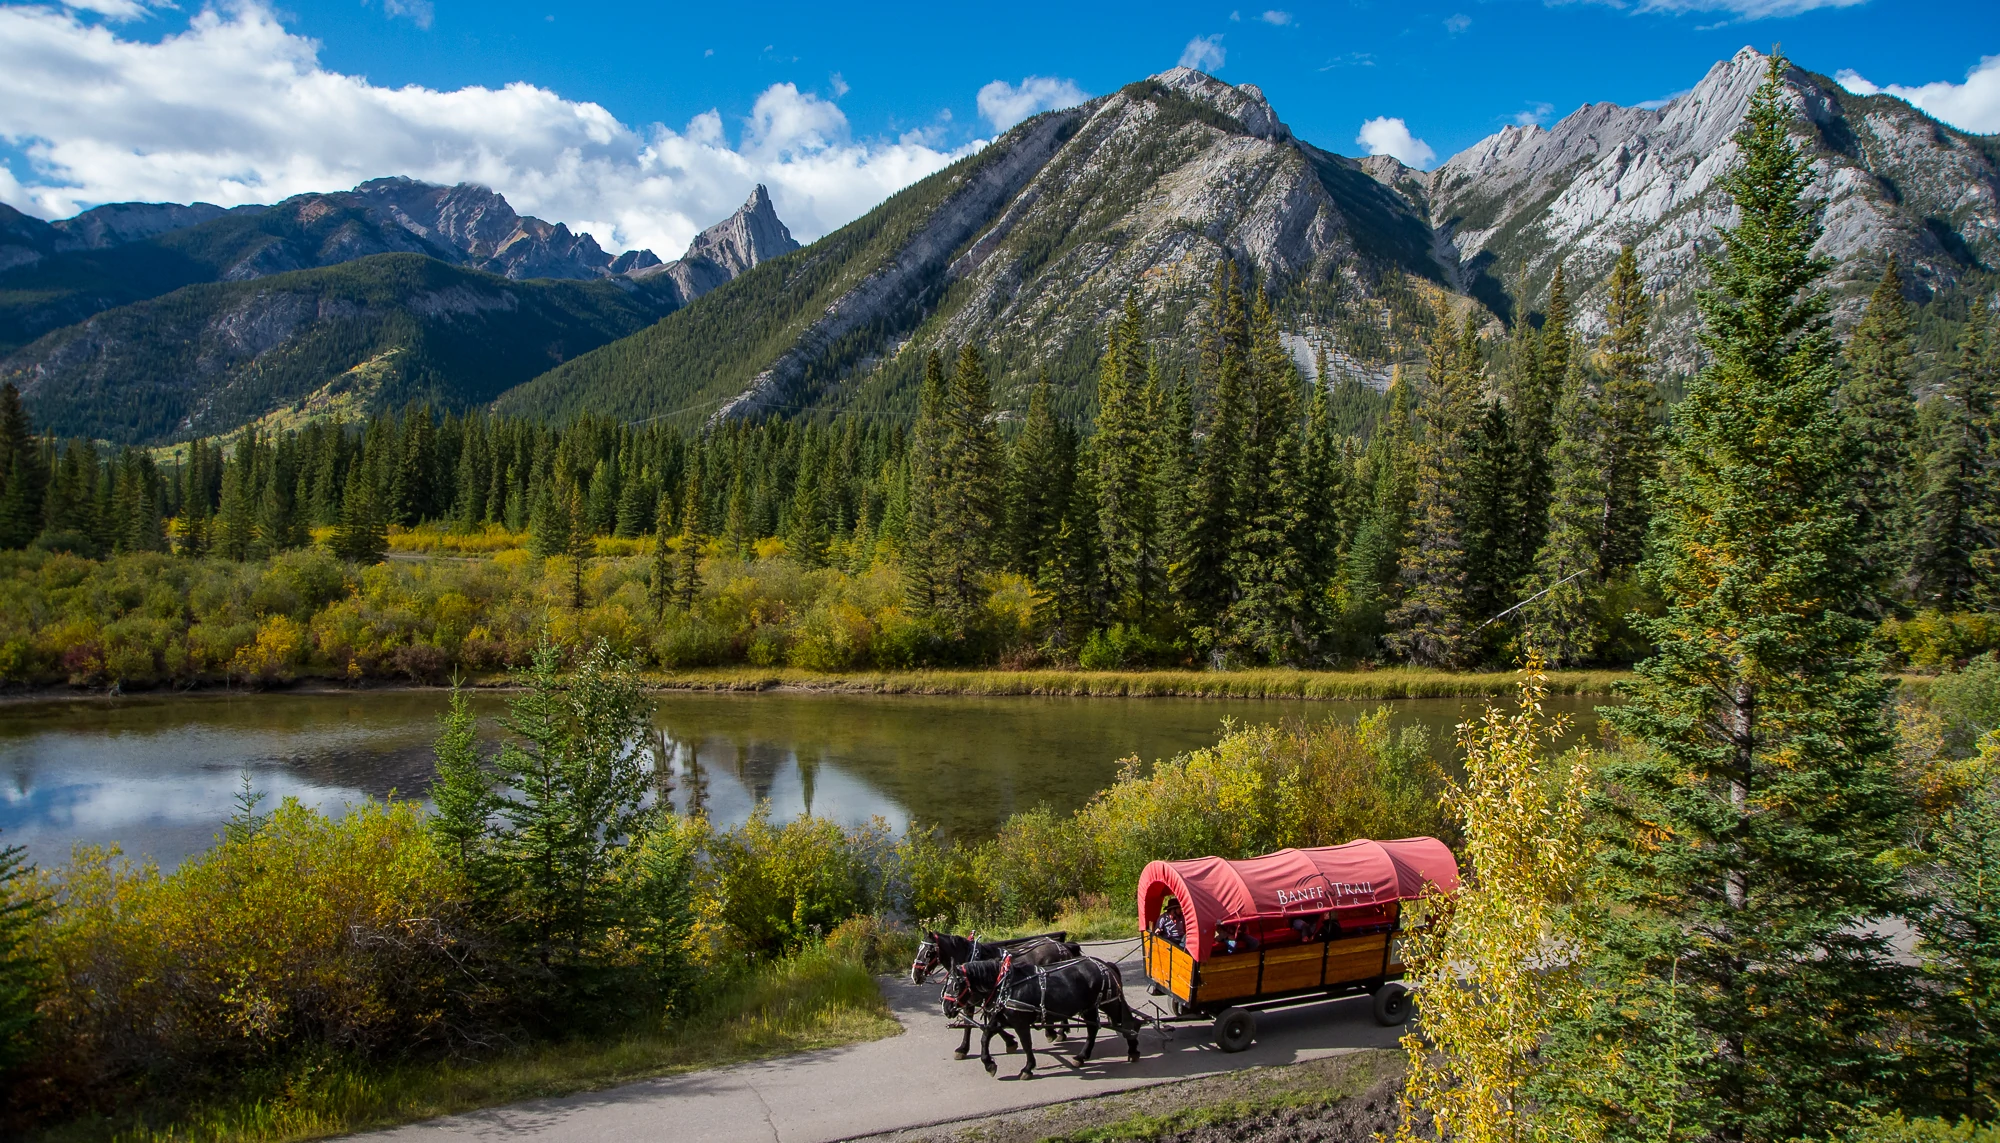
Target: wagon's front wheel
[1234,1029]
[1393,1005]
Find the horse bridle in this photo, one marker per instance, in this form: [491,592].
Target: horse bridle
[926,962]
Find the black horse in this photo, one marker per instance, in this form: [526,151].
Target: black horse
[1027,995]
[943,950]
[946,951]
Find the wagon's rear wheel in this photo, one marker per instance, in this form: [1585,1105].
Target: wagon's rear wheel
[1234,1029]
[1394,1005]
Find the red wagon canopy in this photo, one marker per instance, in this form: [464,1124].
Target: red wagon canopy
[1357,883]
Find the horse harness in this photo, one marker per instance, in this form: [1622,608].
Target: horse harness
[1105,987]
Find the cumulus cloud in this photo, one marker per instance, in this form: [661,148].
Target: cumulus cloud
[115,9]
[1387,136]
[1457,22]
[1276,18]
[1004,104]
[1743,9]
[1204,53]
[1970,106]
[238,109]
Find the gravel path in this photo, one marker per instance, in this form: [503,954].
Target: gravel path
[902,1082]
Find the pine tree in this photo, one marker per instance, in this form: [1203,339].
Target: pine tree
[660,580]
[1495,519]
[1561,618]
[1629,456]
[1368,573]
[1749,824]
[1126,410]
[1069,585]
[362,534]
[1957,510]
[462,796]
[1224,360]
[1431,625]
[1267,618]
[1176,497]
[1880,418]
[1038,483]
[21,970]
[1537,387]
[687,567]
[20,466]
[965,502]
[926,486]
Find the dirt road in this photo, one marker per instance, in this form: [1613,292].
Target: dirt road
[901,1082]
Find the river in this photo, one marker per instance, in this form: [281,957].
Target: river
[158,775]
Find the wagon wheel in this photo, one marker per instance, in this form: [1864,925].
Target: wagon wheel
[1234,1029]
[1394,1005]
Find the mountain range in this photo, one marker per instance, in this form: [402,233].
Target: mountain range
[147,322]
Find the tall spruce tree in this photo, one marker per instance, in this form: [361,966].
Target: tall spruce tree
[1561,616]
[1749,821]
[1224,366]
[1040,471]
[1267,620]
[966,501]
[1176,496]
[21,468]
[1880,417]
[362,535]
[1957,512]
[1630,455]
[1431,625]
[926,485]
[1127,404]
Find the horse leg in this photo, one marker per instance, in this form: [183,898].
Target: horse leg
[964,1043]
[1007,1037]
[1127,1022]
[1090,1034]
[987,1029]
[1027,1031]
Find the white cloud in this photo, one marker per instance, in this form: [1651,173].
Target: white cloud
[115,9]
[839,84]
[420,12]
[1204,53]
[1970,106]
[1003,104]
[1656,104]
[1386,136]
[1276,18]
[1744,9]
[1534,115]
[238,109]
[1457,22]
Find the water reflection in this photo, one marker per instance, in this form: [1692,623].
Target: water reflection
[157,775]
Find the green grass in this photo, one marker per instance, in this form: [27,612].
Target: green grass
[1260,1092]
[811,1001]
[1389,683]
[1094,920]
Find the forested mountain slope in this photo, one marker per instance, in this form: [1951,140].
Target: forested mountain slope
[370,333]
[1027,248]
[177,358]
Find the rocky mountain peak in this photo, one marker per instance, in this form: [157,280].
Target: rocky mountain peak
[731,247]
[1244,103]
[753,234]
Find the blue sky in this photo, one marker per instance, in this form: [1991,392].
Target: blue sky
[643,122]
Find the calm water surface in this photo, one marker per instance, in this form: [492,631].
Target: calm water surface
[158,775]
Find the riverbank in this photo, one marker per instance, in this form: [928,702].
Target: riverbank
[1386,684]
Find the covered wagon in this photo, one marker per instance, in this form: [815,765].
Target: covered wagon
[1224,938]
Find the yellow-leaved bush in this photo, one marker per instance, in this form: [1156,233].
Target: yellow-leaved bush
[306,930]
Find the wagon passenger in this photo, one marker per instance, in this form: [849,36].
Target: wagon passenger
[1170,925]
[1234,939]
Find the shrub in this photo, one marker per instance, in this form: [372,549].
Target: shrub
[1933,639]
[781,887]
[875,943]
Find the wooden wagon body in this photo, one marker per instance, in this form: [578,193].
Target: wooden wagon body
[1290,926]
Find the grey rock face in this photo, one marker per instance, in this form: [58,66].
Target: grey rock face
[752,235]
[117,223]
[1891,181]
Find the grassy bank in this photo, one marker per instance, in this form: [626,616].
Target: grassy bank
[1389,683]
[809,1001]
